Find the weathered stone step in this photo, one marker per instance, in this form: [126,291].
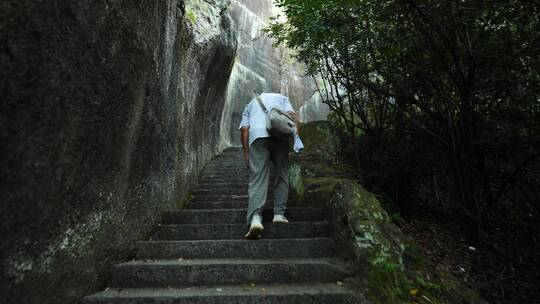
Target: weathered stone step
[228,157]
[229,216]
[239,176]
[223,249]
[220,179]
[227,163]
[223,198]
[238,231]
[222,205]
[224,185]
[226,175]
[323,293]
[219,198]
[228,168]
[220,195]
[224,172]
[232,163]
[223,191]
[232,150]
[224,167]
[239,204]
[237,191]
[206,272]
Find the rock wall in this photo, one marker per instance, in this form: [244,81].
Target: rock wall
[109,110]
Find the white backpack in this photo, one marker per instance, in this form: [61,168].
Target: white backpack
[279,124]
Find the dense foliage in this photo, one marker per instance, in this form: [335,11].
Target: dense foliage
[441,91]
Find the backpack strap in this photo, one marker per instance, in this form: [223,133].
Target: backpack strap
[261,103]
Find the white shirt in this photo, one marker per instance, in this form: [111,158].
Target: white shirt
[255,118]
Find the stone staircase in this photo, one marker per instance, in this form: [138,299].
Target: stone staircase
[198,255]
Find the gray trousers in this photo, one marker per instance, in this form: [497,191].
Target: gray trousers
[261,152]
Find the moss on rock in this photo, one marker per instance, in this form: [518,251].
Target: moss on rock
[391,266]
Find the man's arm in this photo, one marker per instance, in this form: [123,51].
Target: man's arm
[245,144]
[286,103]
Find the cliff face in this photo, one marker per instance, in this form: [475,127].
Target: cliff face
[207,50]
[108,112]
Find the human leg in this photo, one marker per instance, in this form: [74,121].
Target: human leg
[259,171]
[280,158]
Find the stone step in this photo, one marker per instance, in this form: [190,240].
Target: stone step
[224,198]
[225,168]
[233,150]
[206,272]
[223,249]
[214,191]
[226,176]
[229,155]
[231,180]
[216,197]
[243,176]
[237,152]
[238,231]
[219,198]
[233,161]
[223,191]
[227,163]
[222,205]
[229,216]
[225,172]
[224,185]
[220,179]
[226,158]
[222,173]
[323,293]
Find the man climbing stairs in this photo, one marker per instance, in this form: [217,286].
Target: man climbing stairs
[197,255]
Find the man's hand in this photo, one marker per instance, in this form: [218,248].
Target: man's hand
[246,159]
[296,121]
